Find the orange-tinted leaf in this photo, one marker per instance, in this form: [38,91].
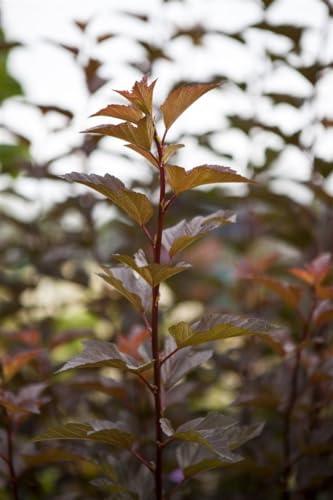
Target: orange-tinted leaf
[170,150]
[324,292]
[143,152]
[140,134]
[291,294]
[315,272]
[29,337]
[182,180]
[303,275]
[181,98]
[136,205]
[12,364]
[141,95]
[127,113]
[131,344]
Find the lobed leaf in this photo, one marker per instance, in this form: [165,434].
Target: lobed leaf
[217,327]
[143,152]
[181,98]
[100,354]
[141,95]
[133,288]
[181,180]
[219,434]
[108,432]
[178,237]
[140,134]
[170,150]
[153,273]
[135,205]
[127,113]
[181,362]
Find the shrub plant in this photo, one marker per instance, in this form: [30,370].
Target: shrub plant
[171,450]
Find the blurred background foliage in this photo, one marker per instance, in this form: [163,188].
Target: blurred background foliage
[54,238]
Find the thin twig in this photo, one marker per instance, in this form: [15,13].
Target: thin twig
[147,233]
[145,381]
[146,321]
[10,461]
[141,459]
[169,355]
[4,458]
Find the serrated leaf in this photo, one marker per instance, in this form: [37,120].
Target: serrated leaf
[219,434]
[141,95]
[170,150]
[140,134]
[134,289]
[181,180]
[136,205]
[143,152]
[153,273]
[109,435]
[52,455]
[181,98]
[100,354]
[217,327]
[181,362]
[127,113]
[178,237]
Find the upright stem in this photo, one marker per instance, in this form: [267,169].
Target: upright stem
[292,399]
[10,458]
[154,331]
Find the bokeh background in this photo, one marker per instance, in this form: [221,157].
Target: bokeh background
[271,120]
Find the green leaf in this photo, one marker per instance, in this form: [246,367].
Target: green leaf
[134,289]
[127,113]
[140,134]
[9,86]
[217,327]
[181,98]
[12,156]
[153,273]
[182,180]
[103,432]
[178,237]
[136,205]
[100,354]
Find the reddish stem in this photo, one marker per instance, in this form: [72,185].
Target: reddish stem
[169,355]
[291,403]
[154,329]
[10,458]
